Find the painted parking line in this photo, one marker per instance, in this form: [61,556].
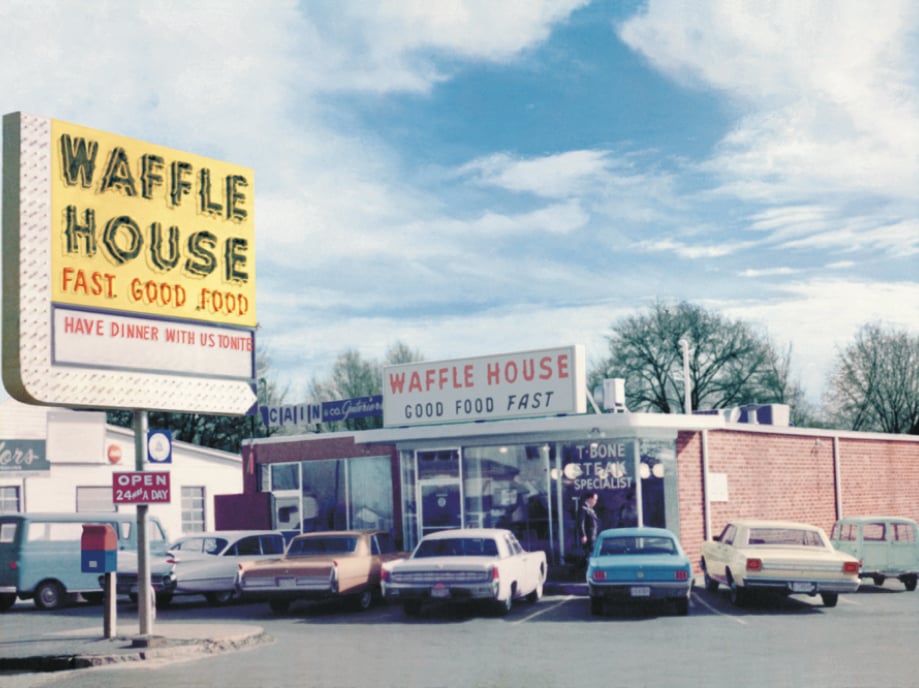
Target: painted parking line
[565,599]
[705,604]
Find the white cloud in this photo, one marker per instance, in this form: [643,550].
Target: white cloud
[820,317]
[826,91]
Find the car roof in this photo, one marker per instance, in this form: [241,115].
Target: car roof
[765,523]
[874,519]
[226,534]
[638,531]
[338,533]
[468,533]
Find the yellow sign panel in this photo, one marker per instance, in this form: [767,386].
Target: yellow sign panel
[139,228]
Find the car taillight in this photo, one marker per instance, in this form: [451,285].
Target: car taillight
[385,576]
[494,573]
[754,564]
[13,565]
[599,574]
[851,566]
[682,575]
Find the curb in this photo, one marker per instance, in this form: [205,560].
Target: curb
[122,649]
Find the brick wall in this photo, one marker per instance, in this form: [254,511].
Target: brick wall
[792,477]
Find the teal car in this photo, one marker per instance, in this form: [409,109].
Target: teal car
[638,564]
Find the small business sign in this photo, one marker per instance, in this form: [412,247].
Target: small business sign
[20,456]
[324,412]
[141,487]
[159,446]
[546,382]
[129,272]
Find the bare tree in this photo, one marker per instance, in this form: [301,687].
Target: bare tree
[874,384]
[354,377]
[729,364]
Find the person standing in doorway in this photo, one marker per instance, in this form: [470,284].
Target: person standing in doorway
[588,524]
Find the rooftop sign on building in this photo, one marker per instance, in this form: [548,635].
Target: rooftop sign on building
[128,272]
[547,382]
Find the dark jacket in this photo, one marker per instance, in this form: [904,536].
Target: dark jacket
[589,526]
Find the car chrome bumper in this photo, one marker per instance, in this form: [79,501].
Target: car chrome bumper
[806,586]
[447,591]
[640,590]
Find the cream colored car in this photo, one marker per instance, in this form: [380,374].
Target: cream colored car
[779,556]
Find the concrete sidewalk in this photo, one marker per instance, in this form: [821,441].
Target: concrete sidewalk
[82,648]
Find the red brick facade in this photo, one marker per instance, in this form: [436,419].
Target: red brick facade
[793,476]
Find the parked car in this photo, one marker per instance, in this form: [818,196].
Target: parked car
[638,564]
[40,554]
[778,556]
[207,563]
[336,564]
[162,574]
[888,546]
[457,566]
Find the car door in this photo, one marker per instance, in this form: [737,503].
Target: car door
[519,563]
[904,547]
[721,551]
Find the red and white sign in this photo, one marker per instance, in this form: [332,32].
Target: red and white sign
[141,487]
[547,382]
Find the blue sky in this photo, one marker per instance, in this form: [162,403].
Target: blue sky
[484,177]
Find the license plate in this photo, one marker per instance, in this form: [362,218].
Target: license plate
[286,582]
[802,587]
[440,591]
[642,591]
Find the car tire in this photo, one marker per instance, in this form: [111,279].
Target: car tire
[682,606]
[362,601]
[220,598]
[596,606]
[7,600]
[536,595]
[829,598]
[279,606]
[738,595]
[411,608]
[163,599]
[49,595]
[503,607]
[711,585]
[909,582]
[878,580]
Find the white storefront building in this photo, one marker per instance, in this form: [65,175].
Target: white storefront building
[59,460]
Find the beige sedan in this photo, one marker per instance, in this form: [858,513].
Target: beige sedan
[779,556]
[336,564]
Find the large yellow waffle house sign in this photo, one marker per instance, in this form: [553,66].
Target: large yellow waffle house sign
[129,272]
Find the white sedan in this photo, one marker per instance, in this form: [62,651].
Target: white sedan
[207,563]
[778,556]
[456,566]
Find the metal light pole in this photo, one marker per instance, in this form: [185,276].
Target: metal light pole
[687,382]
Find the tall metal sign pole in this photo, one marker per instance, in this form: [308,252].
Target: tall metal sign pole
[128,281]
[144,587]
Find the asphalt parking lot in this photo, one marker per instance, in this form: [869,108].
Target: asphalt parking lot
[866,640]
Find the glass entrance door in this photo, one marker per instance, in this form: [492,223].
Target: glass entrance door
[439,494]
[440,505]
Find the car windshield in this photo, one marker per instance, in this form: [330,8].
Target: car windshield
[322,545]
[457,547]
[637,545]
[795,537]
